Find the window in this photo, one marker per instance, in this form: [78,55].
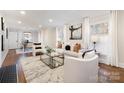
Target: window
[28,36]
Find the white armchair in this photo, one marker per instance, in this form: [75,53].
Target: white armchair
[77,70]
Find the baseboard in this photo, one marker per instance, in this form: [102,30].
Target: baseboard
[104,62]
[3,57]
[121,64]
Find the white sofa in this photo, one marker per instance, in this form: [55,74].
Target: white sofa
[77,70]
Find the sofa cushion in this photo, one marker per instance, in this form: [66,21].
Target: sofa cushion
[71,53]
[60,51]
[89,54]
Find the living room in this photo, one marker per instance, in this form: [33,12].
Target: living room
[57,45]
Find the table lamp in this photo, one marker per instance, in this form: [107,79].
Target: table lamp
[94,40]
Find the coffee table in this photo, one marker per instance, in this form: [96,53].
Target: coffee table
[53,60]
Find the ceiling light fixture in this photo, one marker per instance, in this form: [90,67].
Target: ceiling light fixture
[50,20]
[22,12]
[19,22]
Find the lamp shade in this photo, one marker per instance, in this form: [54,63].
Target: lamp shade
[94,38]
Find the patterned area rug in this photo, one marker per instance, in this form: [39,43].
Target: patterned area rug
[37,72]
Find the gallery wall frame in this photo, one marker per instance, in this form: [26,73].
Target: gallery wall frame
[2,43]
[7,33]
[2,24]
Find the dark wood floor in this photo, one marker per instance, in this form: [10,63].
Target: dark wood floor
[107,74]
[13,58]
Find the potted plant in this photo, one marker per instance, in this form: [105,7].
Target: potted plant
[49,49]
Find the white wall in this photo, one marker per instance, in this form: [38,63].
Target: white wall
[20,37]
[13,40]
[104,43]
[120,20]
[48,37]
[3,53]
[35,36]
[60,35]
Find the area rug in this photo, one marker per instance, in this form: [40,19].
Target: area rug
[21,51]
[37,72]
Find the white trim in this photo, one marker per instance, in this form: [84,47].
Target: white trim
[86,33]
[3,57]
[104,61]
[121,64]
[113,26]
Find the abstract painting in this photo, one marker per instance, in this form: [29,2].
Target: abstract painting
[101,28]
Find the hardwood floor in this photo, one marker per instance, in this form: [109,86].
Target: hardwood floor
[107,74]
[111,74]
[13,58]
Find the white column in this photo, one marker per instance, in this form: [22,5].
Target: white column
[57,35]
[86,33]
[113,29]
[42,37]
[65,29]
[39,37]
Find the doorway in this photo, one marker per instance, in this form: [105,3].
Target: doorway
[13,40]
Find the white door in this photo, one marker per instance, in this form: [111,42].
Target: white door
[13,40]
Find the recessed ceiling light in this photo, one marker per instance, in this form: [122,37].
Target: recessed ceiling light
[22,12]
[50,20]
[19,22]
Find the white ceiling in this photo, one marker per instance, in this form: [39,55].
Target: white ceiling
[33,18]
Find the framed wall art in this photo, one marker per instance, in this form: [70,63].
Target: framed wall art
[2,43]
[101,28]
[76,32]
[6,33]
[2,24]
